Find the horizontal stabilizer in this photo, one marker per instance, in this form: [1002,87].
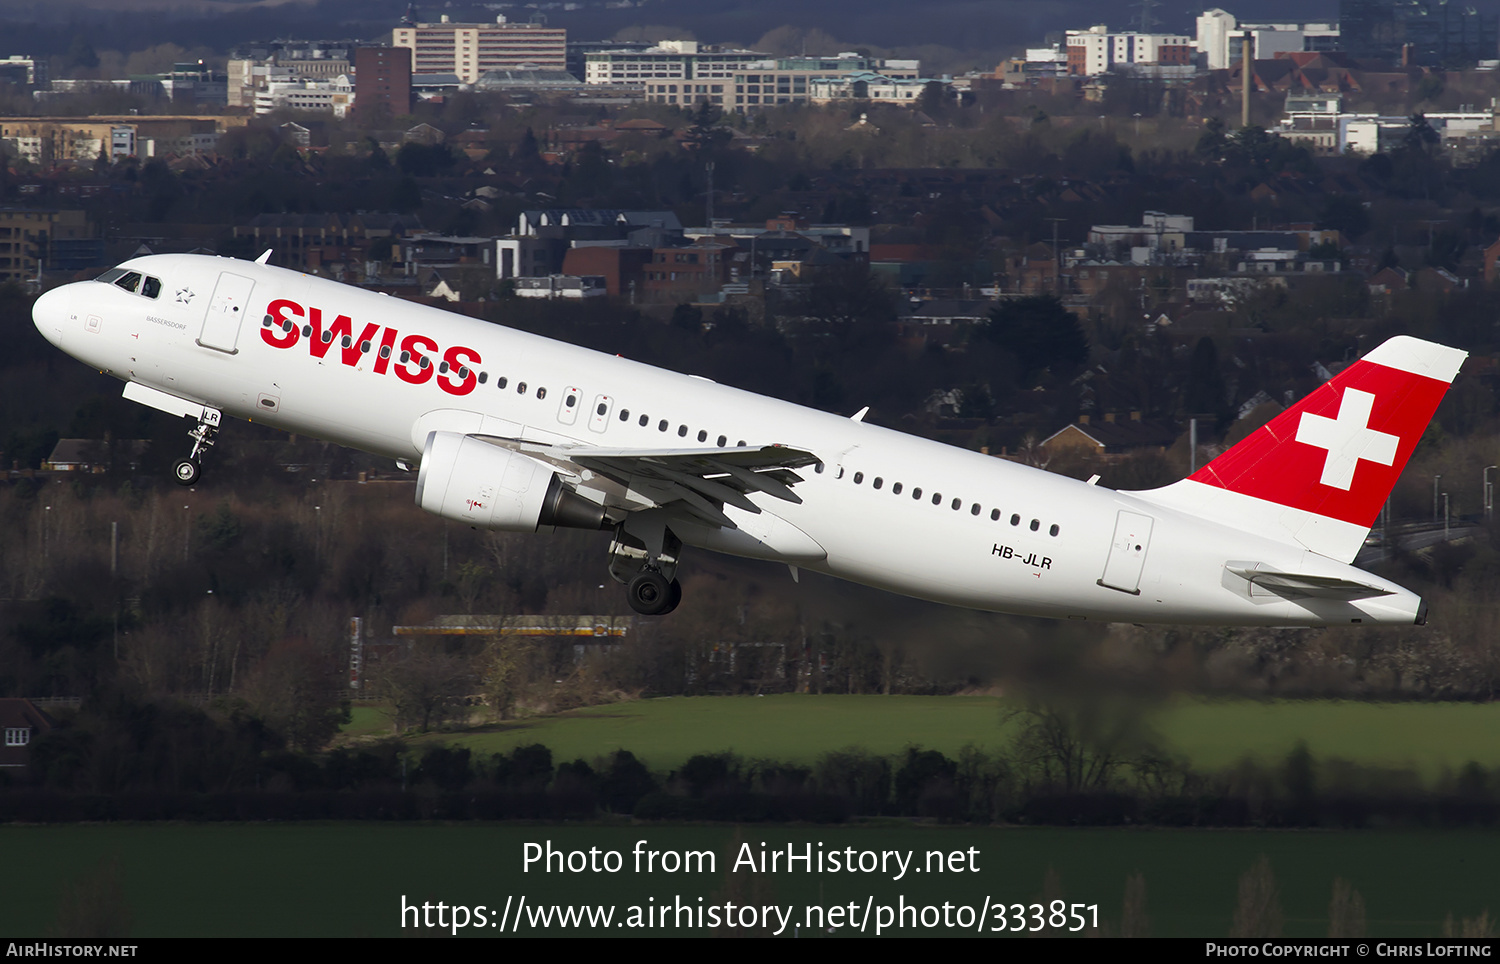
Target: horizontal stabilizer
[1306,584]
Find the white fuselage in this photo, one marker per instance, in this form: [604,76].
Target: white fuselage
[1046,554]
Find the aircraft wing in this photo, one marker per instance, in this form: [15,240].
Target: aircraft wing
[702,480]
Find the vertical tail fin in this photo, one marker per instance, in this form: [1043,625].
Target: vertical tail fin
[1318,473]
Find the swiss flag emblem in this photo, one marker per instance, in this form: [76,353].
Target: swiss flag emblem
[1339,451]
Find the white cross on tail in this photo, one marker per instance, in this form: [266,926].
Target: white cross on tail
[1347,438]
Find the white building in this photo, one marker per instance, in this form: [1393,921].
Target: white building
[472,49]
[1098,51]
[669,60]
[329,96]
[1334,132]
[1221,38]
[868,85]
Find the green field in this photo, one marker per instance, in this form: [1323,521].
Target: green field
[349,879]
[1427,737]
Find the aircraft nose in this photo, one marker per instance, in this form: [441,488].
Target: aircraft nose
[51,312]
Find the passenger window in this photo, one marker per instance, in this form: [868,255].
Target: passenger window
[722,440]
[662,426]
[957,504]
[1015,520]
[151,287]
[624,414]
[499,382]
[520,388]
[571,400]
[994,515]
[483,376]
[916,493]
[877,482]
[603,409]
[859,477]
[937,498]
[541,393]
[702,435]
[1036,524]
[742,443]
[818,468]
[645,419]
[975,509]
[385,352]
[681,431]
[129,282]
[896,489]
[1053,531]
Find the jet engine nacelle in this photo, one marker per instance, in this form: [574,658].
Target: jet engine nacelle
[468,480]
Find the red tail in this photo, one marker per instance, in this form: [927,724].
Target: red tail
[1330,461]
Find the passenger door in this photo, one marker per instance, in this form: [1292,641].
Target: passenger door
[226,311]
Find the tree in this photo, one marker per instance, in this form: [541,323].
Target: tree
[1419,135]
[1074,748]
[934,98]
[296,690]
[847,295]
[1257,912]
[422,689]
[1041,333]
[1346,214]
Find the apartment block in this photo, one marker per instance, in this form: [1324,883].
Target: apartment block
[1098,51]
[471,49]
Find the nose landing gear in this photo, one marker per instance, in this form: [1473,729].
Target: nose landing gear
[187,471]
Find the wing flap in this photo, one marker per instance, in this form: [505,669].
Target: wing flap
[703,480]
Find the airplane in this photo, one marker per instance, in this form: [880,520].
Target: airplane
[513,431]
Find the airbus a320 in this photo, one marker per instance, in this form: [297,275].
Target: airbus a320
[512,431]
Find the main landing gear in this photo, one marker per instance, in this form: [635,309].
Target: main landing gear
[650,594]
[643,557]
[187,471]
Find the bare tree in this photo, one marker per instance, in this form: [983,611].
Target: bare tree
[1258,910]
[1133,919]
[1346,911]
[423,689]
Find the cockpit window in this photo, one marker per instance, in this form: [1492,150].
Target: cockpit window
[109,276]
[129,281]
[151,287]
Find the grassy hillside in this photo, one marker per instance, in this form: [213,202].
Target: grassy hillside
[1427,737]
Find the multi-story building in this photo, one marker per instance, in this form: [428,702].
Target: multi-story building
[1098,51]
[334,96]
[471,49]
[1221,38]
[31,239]
[382,80]
[52,140]
[252,67]
[788,80]
[670,60]
[25,71]
[1434,33]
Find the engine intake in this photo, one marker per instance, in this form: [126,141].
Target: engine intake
[471,481]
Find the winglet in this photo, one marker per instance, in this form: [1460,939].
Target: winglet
[859,416]
[265,257]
